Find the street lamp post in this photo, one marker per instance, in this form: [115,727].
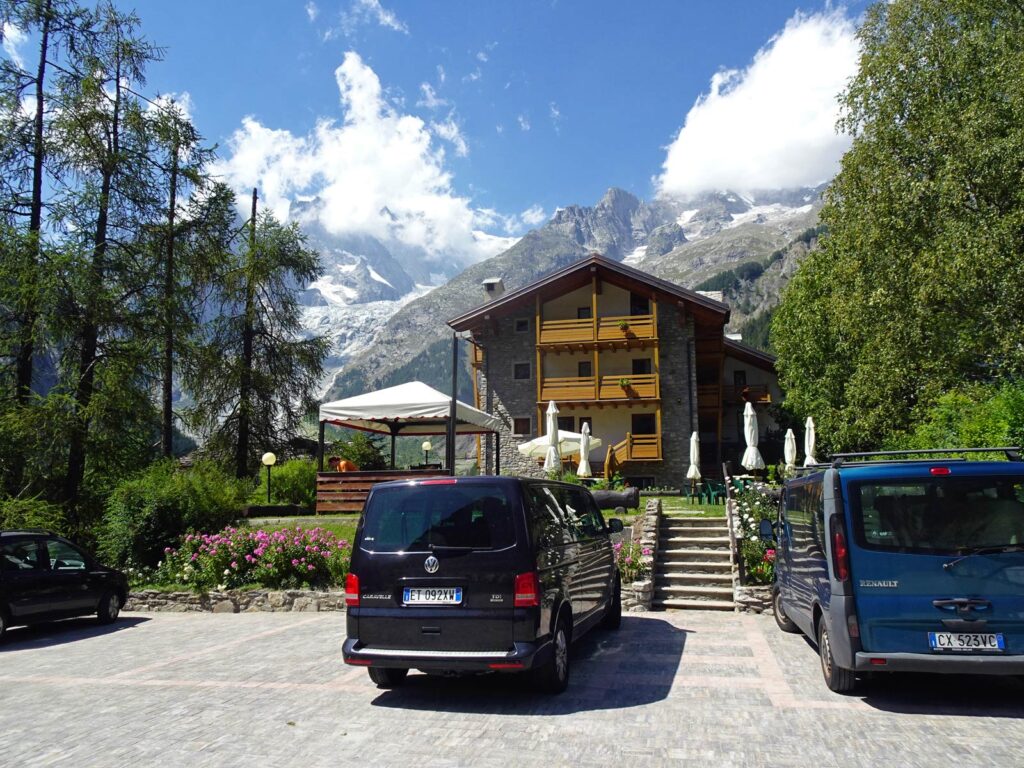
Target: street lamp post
[426,451]
[268,460]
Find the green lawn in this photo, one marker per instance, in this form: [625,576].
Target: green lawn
[681,505]
[343,526]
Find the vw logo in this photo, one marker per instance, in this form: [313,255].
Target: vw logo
[431,565]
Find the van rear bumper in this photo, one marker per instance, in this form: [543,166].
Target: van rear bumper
[942,664]
[523,656]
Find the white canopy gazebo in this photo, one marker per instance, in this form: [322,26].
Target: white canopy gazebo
[413,409]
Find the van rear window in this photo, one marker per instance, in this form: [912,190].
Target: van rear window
[417,519]
[943,515]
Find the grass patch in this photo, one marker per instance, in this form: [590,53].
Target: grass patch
[681,505]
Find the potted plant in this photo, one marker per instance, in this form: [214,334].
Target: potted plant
[623,325]
[624,382]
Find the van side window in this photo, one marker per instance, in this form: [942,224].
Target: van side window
[580,507]
[548,527]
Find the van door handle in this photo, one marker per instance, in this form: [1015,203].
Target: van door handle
[962,605]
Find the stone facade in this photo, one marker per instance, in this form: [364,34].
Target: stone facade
[236,601]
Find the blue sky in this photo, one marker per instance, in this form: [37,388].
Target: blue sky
[473,121]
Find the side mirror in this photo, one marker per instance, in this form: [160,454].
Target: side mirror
[766,530]
[614,525]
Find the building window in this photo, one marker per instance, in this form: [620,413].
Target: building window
[584,313]
[739,378]
[522,325]
[521,426]
[520,371]
[587,420]
[642,366]
[566,423]
[639,305]
[584,369]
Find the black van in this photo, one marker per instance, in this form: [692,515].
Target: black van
[478,574]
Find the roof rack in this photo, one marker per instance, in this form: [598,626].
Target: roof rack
[1013,453]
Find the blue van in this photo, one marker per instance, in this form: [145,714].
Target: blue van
[904,565]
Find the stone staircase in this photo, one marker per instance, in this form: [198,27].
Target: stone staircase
[693,567]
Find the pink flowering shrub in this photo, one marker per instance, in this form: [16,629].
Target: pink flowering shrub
[285,559]
[634,561]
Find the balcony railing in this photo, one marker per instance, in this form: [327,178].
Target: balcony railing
[614,387]
[755,393]
[617,328]
[633,448]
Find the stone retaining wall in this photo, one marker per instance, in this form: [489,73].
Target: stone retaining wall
[752,599]
[637,597]
[236,601]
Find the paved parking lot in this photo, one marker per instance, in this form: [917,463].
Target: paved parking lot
[270,689]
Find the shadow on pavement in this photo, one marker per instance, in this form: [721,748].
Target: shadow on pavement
[629,667]
[960,695]
[51,633]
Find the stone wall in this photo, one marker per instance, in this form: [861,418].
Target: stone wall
[236,601]
[637,597]
[753,599]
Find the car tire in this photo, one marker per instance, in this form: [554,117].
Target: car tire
[109,608]
[553,677]
[613,615]
[785,623]
[387,678]
[837,679]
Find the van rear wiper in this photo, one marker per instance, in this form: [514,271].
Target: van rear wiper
[984,551]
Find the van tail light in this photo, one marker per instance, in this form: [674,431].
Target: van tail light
[940,471]
[351,590]
[526,593]
[852,626]
[840,554]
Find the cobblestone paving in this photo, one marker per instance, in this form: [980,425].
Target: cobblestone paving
[270,690]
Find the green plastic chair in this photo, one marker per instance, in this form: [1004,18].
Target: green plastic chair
[714,492]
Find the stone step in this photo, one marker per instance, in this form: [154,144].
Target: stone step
[698,567]
[694,592]
[692,554]
[693,542]
[690,577]
[698,522]
[695,530]
[692,605]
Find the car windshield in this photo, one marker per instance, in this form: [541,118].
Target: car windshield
[947,515]
[416,518]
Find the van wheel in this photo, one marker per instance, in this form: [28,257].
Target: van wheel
[785,623]
[613,616]
[387,678]
[553,677]
[837,679]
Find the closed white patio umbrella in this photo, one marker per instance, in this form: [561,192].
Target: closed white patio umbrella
[809,438]
[552,458]
[693,473]
[583,470]
[789,452]
[751,456]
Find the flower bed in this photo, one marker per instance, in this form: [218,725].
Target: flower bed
[290,558]
[752,506]
[633,560]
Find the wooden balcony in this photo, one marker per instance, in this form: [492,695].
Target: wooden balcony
[755,393]
[633,448]
[585,388]
[477,357]
[619,328]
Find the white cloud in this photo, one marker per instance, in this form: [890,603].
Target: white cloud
[430,98]
[524,122]
[473,76]
[14,38]
[373,159]
[449,131]
[499,128]
[369,12]
[312,11]
[481,56]
[533,216]
[180,102]
[441,74]
[556,116]
[771,125]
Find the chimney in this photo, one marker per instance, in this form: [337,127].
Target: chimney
[493,288]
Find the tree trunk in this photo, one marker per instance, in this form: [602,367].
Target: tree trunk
[26,346]
[245,394]
[167,426]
